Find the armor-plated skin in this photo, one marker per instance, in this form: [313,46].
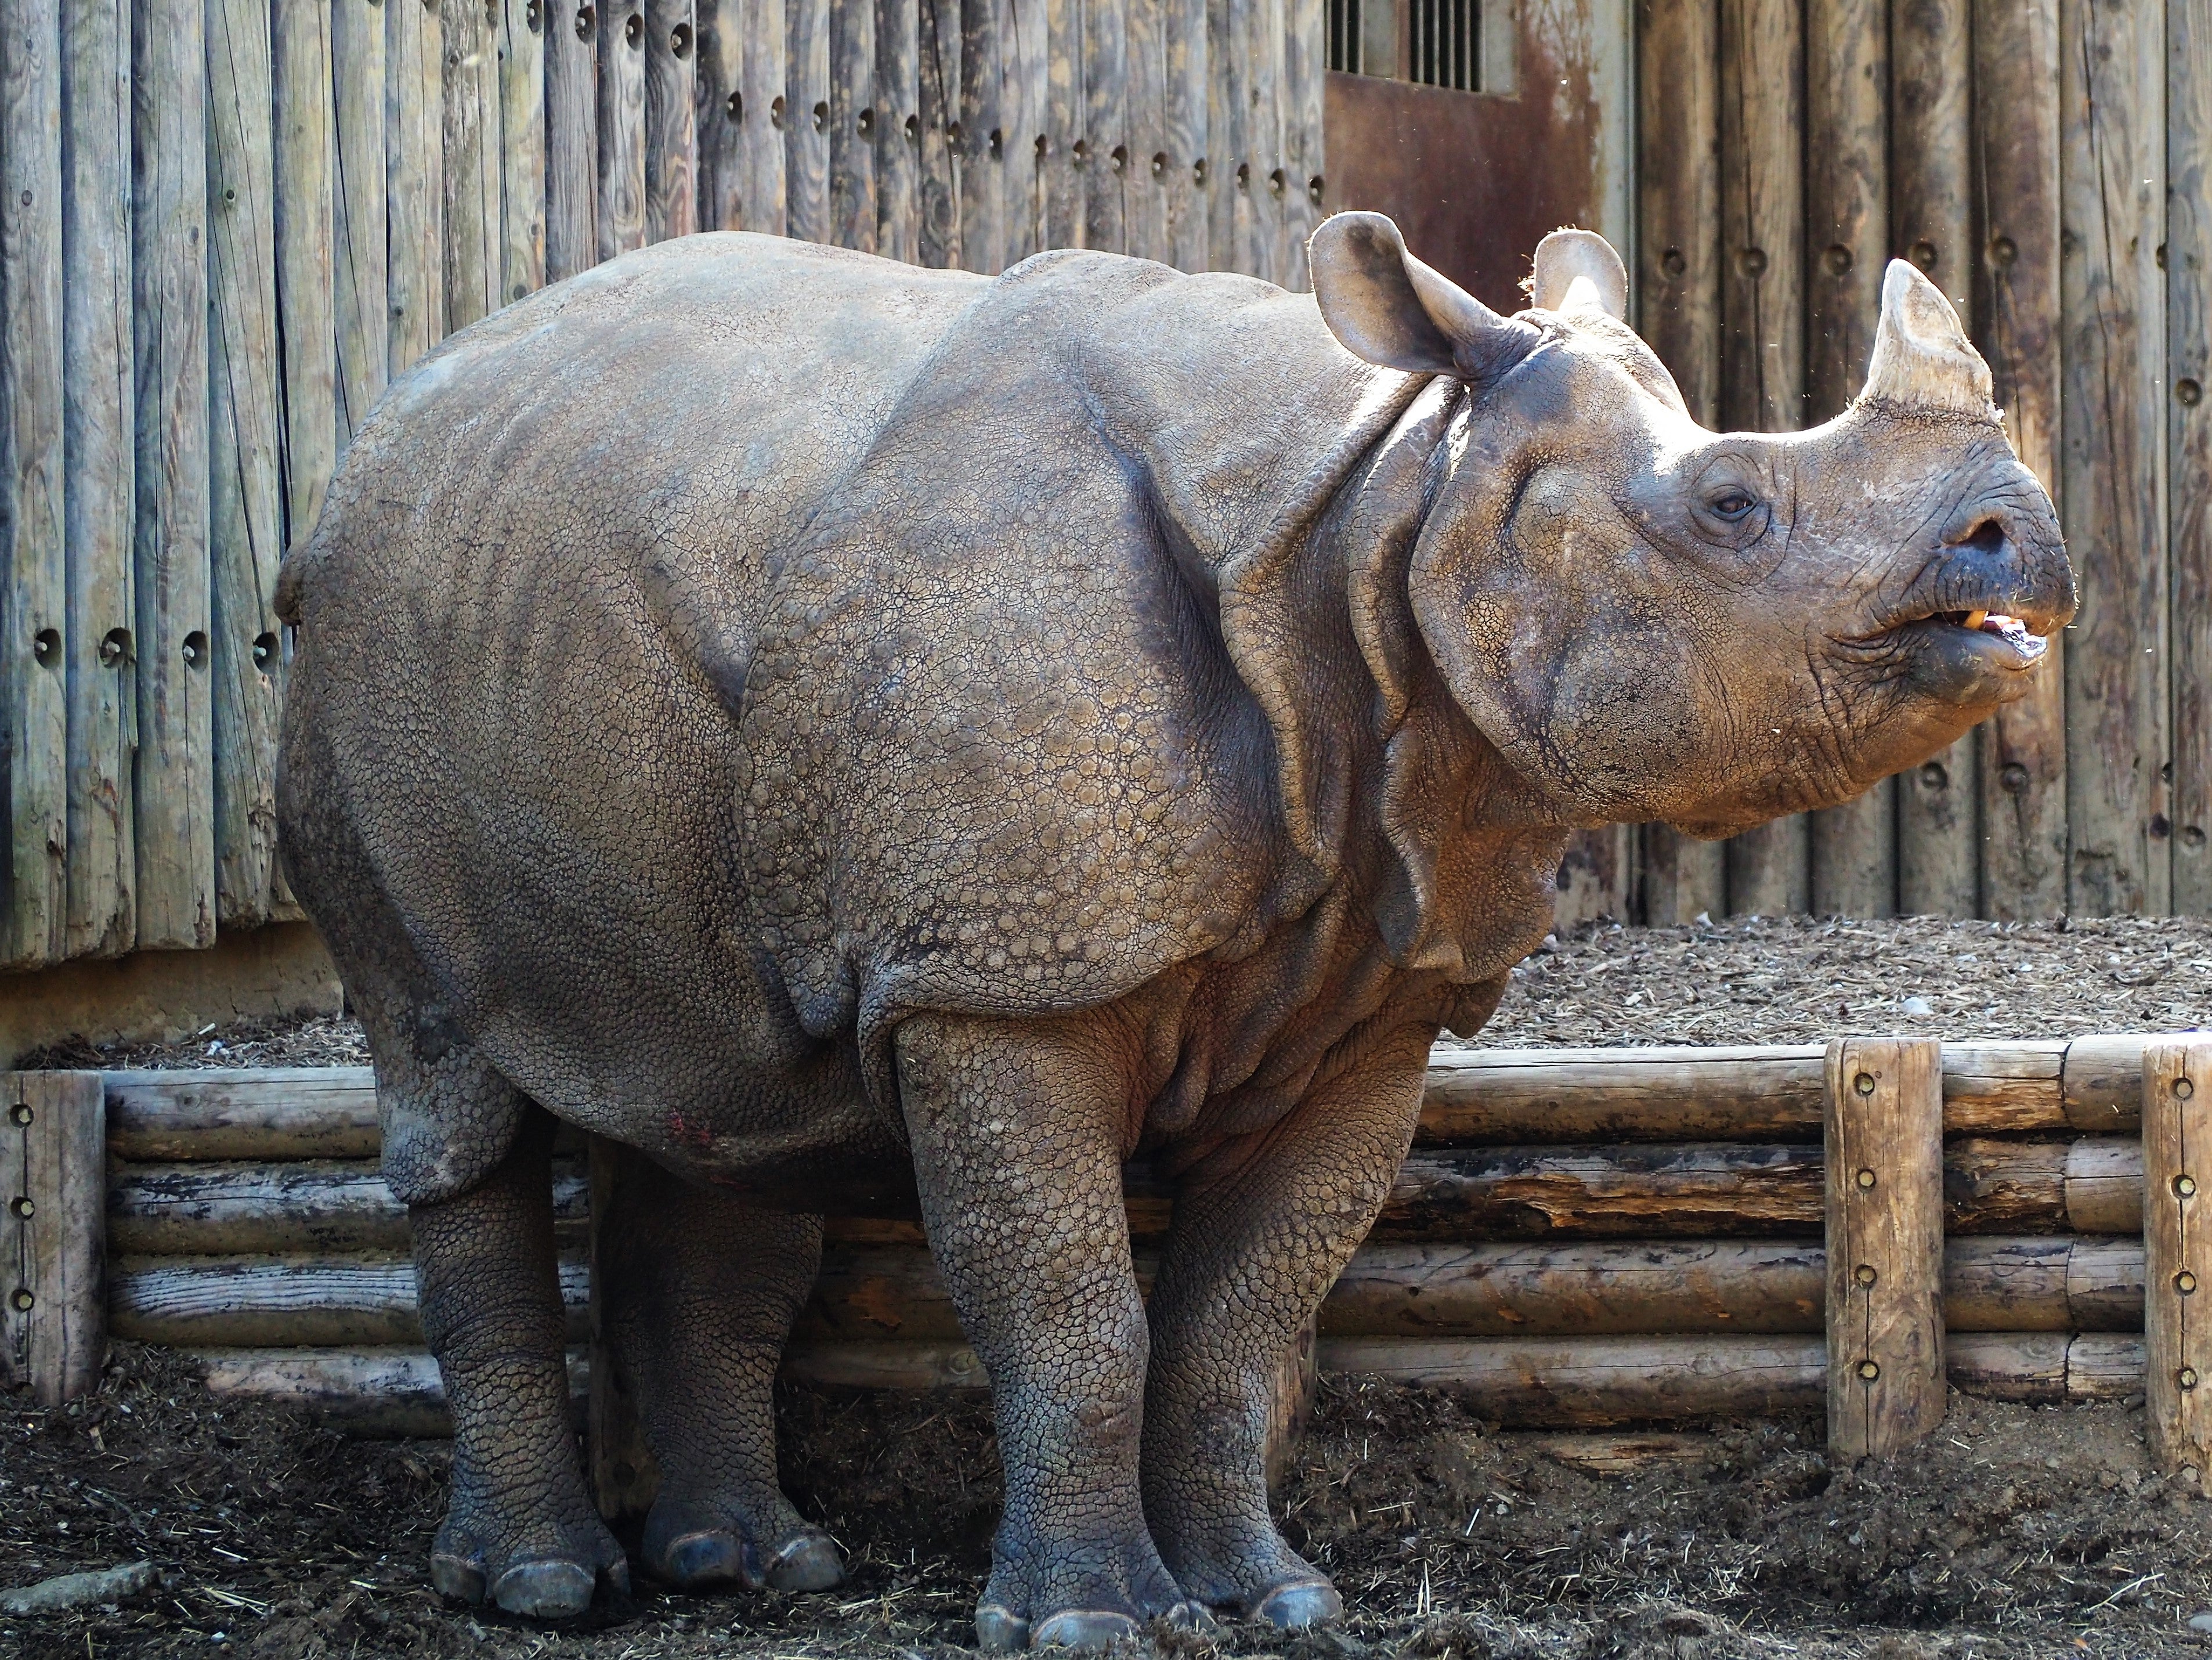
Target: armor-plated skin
[828,725]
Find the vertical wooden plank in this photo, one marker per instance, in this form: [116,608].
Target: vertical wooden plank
[414,149]
[2112,191]
[982,137]
[898,129]
[1227,177]
[305,254]
[853,117]
[1022,111]
[174,785]
[1145,195]
[1298,1379]
[1066,106]
[1763,312]
[766,75]
[1304,64]
[624,1476]
[2016,324]
[1931,224]
[940,160]
[2189,438]
[96,457]
[1683,880]
[1597,876]
[806,120]
[522,115]
[1679,294]
[622,128]
[469,168]
[1678,193]
[1263,139]
[53,1232]
[1106,125]
[244,486]
[1189,74]
[671,133]
[717,125]
[1884,1243]
[358,209]
[2177,1146]
[1846,234]
[34,603]
[572,137]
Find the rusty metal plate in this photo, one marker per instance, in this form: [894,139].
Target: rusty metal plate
[1475,179]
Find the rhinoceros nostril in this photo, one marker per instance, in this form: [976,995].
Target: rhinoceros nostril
[1987,536]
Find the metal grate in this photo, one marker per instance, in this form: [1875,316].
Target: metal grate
[1445,37]
[1344,35]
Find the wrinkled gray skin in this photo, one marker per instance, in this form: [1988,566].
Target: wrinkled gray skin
[815,721]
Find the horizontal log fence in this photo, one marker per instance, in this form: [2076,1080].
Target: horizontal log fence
[1552,1281]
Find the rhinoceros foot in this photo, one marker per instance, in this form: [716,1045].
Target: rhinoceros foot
[697,1547]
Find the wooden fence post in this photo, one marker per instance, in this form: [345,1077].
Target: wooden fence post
[1885,1233]
[624,1477]
[2177,1143]
[1296,1383]
[54,1212]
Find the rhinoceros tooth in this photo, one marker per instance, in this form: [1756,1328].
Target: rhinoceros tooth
[1921,357]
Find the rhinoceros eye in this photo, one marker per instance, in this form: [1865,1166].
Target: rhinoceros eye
[1731,505]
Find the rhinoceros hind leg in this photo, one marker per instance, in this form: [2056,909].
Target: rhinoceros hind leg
[701,1289]
[1262,1227]
[520,1528]
[1017,1129]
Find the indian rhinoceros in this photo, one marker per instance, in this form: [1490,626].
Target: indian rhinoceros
[825,724]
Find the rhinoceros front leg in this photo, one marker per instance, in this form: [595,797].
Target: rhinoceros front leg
[519,1526]
[1263,1228]
[703,1290]
[1017,1130]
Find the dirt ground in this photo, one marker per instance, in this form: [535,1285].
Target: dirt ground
[1748,980]
[2016,1531]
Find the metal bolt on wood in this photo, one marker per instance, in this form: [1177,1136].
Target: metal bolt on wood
[1884,1122]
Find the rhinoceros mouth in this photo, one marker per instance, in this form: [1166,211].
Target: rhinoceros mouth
[2024,643]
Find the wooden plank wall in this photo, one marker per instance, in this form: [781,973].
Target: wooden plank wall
[204,288]
[2046,162]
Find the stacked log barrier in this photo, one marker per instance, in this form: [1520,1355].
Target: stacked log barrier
[1580,1238]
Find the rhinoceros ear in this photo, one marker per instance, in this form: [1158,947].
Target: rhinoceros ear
[1578,271]
[1387,308]
[1921,357]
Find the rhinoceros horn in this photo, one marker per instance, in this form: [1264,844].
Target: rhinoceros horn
[1578,271]
[1388,308]
[1921,357]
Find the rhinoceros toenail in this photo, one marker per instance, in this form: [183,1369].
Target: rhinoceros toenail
[705,1558]
[452,1576]
[1303,1602]
[1084,1628]
[810,1562]
[544,1590]
[999,1630]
